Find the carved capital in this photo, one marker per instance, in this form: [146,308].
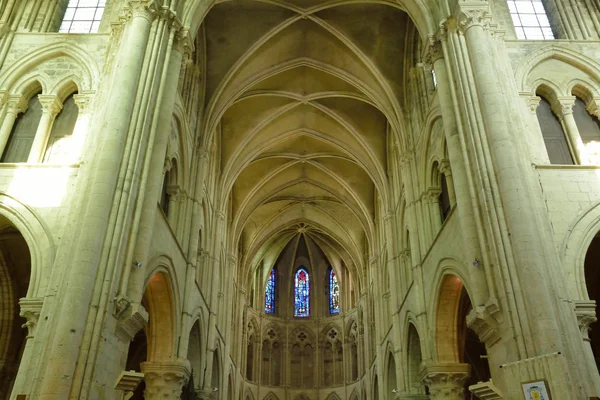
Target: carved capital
[30,310]
[143,9]
[483,320]
[533,102]
[434,51]
[129,326]
[445,167]
[473,13]
[83,101]
[50,104]
[433,194]
[165,380]
[16,103]
[564,106]
[445,380]
[586,315]
[184,44]
[594,107]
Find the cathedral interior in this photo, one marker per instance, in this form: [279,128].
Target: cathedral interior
[299,199]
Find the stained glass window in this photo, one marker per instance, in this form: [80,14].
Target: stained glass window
[301,293]
[83,16]
[530,19]
[270,293]
[334,293]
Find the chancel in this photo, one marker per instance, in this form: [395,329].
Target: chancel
[299,199]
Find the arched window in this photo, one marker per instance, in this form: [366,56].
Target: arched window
[301,293]
[588,126]
[554,136]
[23,132]
[334,293]
[82,16]
[59,142]
[270,293]
[530,20]
[445,205]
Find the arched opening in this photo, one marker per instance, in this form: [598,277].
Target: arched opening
[195,354]
[15,273]
[23,132]
[136,355]
[456,343]
[59,142]
[592,282]
[415,358]
[588,126]
[215,379]
[392,386]
[554,136]
[160,330]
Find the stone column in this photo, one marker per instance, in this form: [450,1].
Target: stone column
[16,104]
[446,381]
[586,316]
[165,379]
[83,257]
[434,209]
[537,146]
[51,106]
[564,110]
[30,310]
[82,101]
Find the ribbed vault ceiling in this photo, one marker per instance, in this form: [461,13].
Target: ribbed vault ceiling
[304,97]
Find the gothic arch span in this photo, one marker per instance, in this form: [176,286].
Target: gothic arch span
[574,249]
[38,237]
[158,299]
[557,52]
[90,74]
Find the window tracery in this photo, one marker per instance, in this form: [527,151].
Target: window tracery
[270,293]
[83,16]
[301,293]
[334,293]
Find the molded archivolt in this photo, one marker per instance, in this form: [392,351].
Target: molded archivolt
[38,237]
[34,65]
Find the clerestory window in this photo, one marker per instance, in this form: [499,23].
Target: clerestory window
[301,293]
[83,16]
[270,293]
[530,20]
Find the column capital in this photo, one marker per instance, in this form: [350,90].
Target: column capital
[533,102]
[51,104]
[564,106]
[445,167]
[83,101]
[16,103]
[143,9]
[165,379]
[30,310]
[594,107]
[473,13]
[446,380]
[434,51]
[586,315]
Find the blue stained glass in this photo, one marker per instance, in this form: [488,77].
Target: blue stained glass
[334,293]
[301,293]
[270,293]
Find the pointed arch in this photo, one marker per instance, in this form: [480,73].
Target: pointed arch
[302,293]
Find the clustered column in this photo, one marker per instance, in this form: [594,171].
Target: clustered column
[15,105]
[51,106]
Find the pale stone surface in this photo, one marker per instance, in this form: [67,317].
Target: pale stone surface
[305,133]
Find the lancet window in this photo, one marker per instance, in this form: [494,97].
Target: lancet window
[270,293]
[301,293]
[83,16]
[334,293]
[530,20]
